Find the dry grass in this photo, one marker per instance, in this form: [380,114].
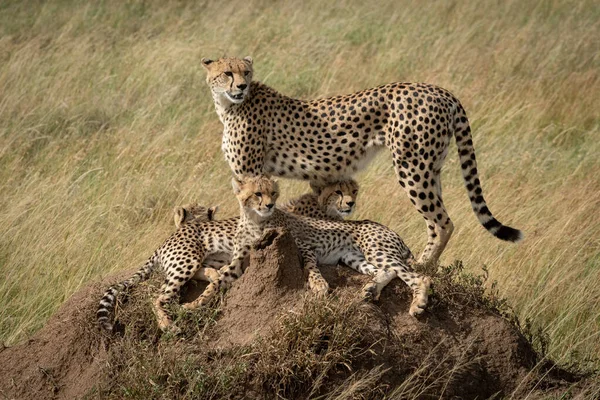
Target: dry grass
[306,349]
[333,348]
[106,124]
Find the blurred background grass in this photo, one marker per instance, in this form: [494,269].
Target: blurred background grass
[106,123]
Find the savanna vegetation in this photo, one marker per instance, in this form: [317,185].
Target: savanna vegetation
[106,123]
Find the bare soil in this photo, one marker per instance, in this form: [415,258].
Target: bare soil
[460,349]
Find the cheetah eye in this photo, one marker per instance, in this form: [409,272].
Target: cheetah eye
[273,193]
[339,192]
[246,73]
[229,74]
[258,194]
[354,191]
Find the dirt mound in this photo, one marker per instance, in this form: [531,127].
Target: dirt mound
[273,283]
[64,358]
[267,337]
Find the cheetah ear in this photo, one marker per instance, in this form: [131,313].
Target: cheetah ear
[237,185]
[179,216]
[248,59]
[211,212]
[206,62]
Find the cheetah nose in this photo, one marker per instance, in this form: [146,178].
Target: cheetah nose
[350,203]
[242,86]
[270,205]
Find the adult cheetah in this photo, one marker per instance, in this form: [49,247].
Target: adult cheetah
[330,139]
[320,241]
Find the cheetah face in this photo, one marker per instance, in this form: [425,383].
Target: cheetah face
[193,213]
[339,198]
[257,195]
[229,78]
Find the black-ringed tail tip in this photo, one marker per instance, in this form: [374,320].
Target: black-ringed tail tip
[503,232]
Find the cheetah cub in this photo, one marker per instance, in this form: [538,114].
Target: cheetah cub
[320,241]
[333,201]
[336,201]
[185,255]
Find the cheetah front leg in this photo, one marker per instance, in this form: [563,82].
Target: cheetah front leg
[316,282]
[381,278]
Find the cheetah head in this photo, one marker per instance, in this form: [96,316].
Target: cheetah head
[257,195]
[229,78]
[338,198]
[193,213]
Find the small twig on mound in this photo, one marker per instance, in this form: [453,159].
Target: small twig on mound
[50,377]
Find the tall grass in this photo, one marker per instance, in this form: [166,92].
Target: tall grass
[106,124]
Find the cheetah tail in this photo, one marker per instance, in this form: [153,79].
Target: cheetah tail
[106,308]
[468,166]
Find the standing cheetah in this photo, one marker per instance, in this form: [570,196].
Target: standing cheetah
[181,257]
[330,139]
[320,241]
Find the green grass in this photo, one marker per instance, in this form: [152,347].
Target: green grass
[106,124]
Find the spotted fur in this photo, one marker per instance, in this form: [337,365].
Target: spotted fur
[333,201]
[382,252]
[186,254]
[336,200]
[330,139]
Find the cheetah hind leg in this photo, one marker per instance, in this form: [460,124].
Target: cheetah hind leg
[210,275]
[207,274]
[170,290]
[165,323]
[419,284]
[209,293]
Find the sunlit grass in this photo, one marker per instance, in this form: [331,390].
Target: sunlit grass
[106,124]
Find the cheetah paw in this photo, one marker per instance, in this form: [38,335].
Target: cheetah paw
[420,296]
[369,292]
[416,308]
[319,286]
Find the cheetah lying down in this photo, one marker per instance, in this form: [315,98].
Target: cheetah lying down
[181,257]
[379,249]
[202,245]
